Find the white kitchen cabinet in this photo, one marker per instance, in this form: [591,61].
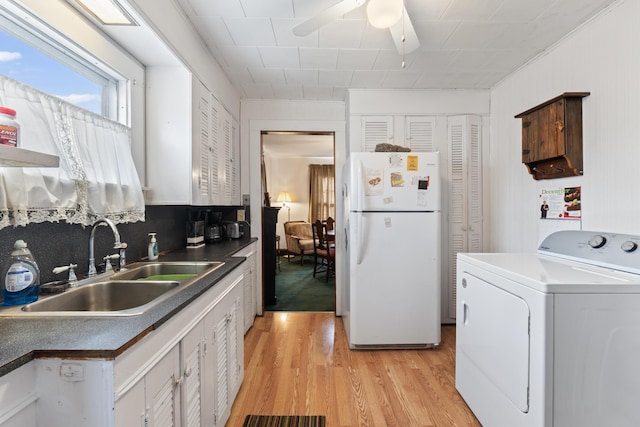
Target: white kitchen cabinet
[193,146]
[19,398]
[415,132]
[154,401]
[465,194]
[250,284]
[225,327]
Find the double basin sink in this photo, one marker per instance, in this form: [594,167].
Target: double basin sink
[129,292]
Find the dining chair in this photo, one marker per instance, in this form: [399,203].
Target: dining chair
[324,254]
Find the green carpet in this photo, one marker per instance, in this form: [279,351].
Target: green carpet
[284,421]
[298,290]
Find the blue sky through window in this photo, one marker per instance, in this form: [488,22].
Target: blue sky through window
[26,64]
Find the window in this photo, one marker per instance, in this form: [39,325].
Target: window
[38,60]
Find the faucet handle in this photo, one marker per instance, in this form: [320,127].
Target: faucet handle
[73,279]
[107,265]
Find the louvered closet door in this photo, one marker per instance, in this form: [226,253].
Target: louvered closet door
[419,131]
[191,377]
[161,391]
[376,130]
[465,194]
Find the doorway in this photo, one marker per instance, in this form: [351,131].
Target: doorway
[286,159]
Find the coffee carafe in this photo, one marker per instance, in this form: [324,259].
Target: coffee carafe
[213,230]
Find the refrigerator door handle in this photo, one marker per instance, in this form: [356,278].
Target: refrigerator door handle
[360,180]
[360,236]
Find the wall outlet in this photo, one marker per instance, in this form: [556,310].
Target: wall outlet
[240,215]
[246,201]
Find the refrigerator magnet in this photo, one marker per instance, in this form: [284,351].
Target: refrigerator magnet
[412,163]
[396,179]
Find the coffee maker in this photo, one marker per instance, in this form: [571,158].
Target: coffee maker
[213,228]
[195,228]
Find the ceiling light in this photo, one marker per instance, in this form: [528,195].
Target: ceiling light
[384,13]
[108,12]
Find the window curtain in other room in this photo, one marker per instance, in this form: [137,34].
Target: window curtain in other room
[322,197]
[96,177]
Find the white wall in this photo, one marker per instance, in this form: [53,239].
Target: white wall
[603,58]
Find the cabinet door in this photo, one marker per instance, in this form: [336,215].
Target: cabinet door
[205,145]
[543,133]
[376,130]
[130,409]
[162,391]
[191,380]
[465,194]
[221,343]
[419,133]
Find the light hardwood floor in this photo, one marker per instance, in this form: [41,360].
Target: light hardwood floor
[300,364]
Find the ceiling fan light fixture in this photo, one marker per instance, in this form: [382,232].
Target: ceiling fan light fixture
[384,13]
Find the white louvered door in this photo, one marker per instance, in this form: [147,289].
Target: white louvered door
[191,354]
[376,130]
[419,133]
[161,390]
[465,194]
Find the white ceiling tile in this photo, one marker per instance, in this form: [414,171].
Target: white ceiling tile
[376,38]
[251,31]
[520,10]
[303,77]
[400,79]
[289,91]
[285,37]
[272,8]
[308,8]
[342,33]
[280,57]
[258,91]
[357,59]
[391,60]
[239,75]
[471,10]
[318,92]
[335,77]
[318,58]
[340,93]
[213,30]
[225,8]
[432,61]
[421,9]
[474,35]
[368,78]
[267,75]
[241,56]
[434,34]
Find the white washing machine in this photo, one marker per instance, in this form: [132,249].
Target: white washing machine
[552,339]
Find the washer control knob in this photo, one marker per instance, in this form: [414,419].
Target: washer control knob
[597,241]
[629,246]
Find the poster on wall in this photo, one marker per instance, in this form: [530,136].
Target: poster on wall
[560,203]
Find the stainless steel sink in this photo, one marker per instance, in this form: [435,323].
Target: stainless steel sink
[108,296]
[130,292]
[178,271]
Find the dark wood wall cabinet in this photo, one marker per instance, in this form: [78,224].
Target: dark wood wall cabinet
[552,137]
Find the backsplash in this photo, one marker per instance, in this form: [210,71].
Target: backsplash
[58,244]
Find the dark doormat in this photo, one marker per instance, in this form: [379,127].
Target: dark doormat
[284,421]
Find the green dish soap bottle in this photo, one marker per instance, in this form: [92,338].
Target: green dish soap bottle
[22,276]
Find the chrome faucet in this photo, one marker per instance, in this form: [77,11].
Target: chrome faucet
[117,244]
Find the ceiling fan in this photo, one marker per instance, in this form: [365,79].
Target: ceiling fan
[389,14]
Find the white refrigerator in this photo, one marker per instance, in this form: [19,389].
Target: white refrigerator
[393,230]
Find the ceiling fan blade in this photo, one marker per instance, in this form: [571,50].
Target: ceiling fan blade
[326,16]
[404,26]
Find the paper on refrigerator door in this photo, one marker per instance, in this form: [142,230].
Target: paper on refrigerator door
[374,185]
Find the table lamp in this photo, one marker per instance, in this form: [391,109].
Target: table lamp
[284,197]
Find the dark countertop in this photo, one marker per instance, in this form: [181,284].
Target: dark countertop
[24,339]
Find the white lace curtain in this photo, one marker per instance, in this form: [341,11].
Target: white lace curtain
[96,178]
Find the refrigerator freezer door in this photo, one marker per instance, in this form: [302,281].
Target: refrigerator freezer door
[394,182]
[394,279]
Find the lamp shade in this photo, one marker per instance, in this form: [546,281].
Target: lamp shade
[284,197]
[384,13]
